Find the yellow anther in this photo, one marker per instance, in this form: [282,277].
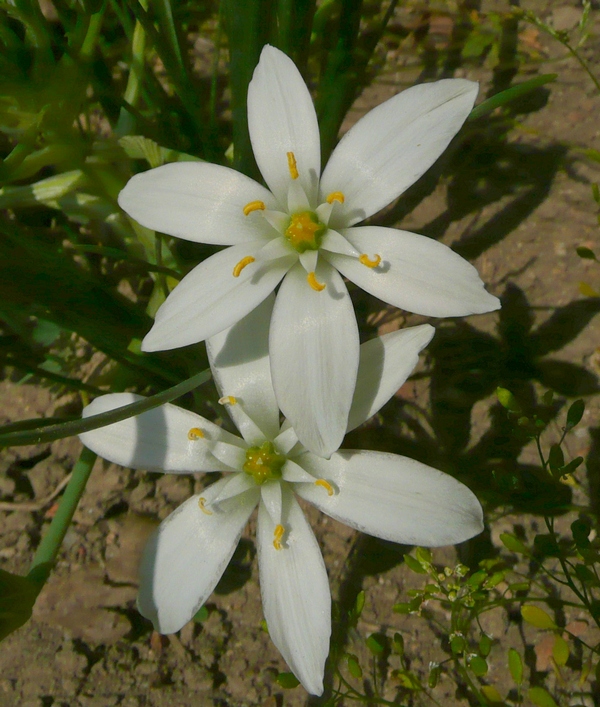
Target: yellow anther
[277,536]
[254,206]
[228,400]
[202,507]
[237,270]
[336,196]
[314,283]
[365,260]
[292,165]
[326,485]
[195,433]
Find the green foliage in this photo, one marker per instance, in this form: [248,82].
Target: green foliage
[17,597]
[287,680]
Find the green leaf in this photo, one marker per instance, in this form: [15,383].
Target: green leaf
[504,97]
[492,695]
[402,608]
[556,458]
[560,650]
[17,597]
[545,544]
[423,555]
[434,675]
[287,680]
[515,665]
[575,413]
[547,397]
[407,679]
[485,645]
[586,253]
[581,531]
[478,665]
[353,666]
[541,697]
[200,615]
[537,617]
[376,643]
[398,644]
[571,466]
[458,644]
[512,543]
[507,400]
[140,147]
[519,586]
[586,576]
[360,604]
[477,578]
[494,580]
[414,564]
[586,289]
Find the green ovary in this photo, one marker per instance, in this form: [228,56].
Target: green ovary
[264,463]
[305,231]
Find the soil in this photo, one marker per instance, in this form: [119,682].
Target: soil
[86,645]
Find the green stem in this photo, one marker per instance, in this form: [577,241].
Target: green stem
[91,36]
[68,429]
[47,551]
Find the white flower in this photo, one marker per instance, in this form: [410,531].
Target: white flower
[382,494]
[302,232]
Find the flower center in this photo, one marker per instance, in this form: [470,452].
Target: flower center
[305,231]
[263,463]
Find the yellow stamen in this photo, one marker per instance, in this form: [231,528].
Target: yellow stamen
[277,536]
[326,485]
[228,400]
[336,196]
[365,260]
[254,206]
[195,433]
[292,165]
[237,270]
[202,507]
[314,283]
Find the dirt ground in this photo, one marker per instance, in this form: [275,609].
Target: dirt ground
[86,645]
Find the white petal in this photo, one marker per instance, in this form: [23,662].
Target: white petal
[297,199]
[210,299]
[385,364]
[234,484]
[197,201]
[393,145]
[336,243]
[282,119]
[314,357]
[156,440]
[276,248]
[185,558]
[416,273]
[286,440]
[271,499]
[393,497]
[278,219]
[239,360]
[295,474]
[309,260]
[295,594]
[231,455]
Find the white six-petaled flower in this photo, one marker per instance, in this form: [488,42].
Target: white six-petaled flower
[302,230]
[385,495]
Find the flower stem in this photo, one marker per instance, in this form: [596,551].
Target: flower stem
[47,551]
